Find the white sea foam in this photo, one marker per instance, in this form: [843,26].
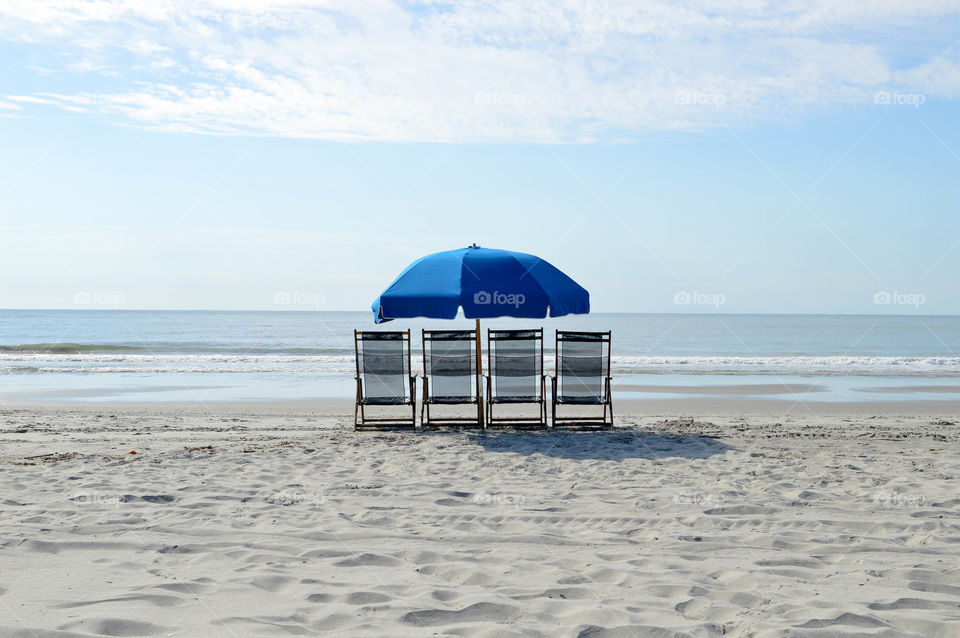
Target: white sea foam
[829,365]
[92,363]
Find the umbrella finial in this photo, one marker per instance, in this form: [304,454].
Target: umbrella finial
[474,245]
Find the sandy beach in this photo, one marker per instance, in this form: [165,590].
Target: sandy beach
[238,520]
[722,235]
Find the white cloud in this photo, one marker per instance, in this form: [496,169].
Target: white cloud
[31,99]
[88,65]
[474,71]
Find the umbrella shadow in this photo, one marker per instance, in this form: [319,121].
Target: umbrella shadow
[604,446]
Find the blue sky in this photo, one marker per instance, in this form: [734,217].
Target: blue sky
[759,158]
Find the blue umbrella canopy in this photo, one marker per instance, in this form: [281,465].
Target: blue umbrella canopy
[485,282]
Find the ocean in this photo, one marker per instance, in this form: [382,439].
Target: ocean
[121,355]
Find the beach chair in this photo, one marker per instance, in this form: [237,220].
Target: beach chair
[450,376]
[383,379]
[582,378]
[515,365]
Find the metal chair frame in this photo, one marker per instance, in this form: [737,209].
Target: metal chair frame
[428,421]
[360,420]
[606,398]
[518,422]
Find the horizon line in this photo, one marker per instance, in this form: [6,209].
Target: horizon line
[599,312]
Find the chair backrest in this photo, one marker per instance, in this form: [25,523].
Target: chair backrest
[583,364]
[383,364]
[450,363]
[515,362]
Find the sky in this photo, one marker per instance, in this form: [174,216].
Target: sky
[742,156]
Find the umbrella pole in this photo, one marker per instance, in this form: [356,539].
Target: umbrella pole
[481,414]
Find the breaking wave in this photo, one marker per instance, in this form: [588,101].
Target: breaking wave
[92,359]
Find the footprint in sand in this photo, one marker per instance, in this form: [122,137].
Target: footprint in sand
[158,600]
[325,553]
[629,631]
[479,612]
[115,627]
[367,598]
[848,619]
[695,608]
[195,587]
[272,584]
[935,588]
[369,560]
[913,603]
[444,595]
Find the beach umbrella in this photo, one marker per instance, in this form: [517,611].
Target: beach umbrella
[485,283]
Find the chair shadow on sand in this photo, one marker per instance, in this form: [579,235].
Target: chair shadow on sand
[614,445]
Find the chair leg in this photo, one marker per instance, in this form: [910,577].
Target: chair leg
[553,402]
[426,404]
[356,406]
[489,407]
[609,401]
[543,401]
